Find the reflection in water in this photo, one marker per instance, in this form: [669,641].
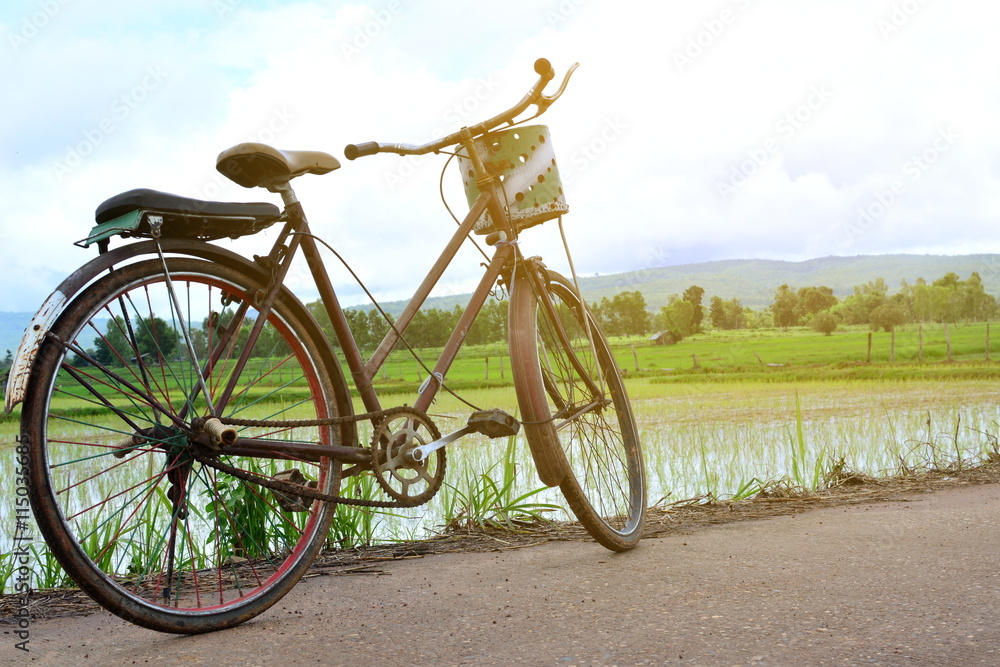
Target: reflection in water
[693,444]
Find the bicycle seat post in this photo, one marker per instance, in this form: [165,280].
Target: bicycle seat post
[284,188]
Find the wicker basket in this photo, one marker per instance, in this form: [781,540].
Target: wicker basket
[525,162]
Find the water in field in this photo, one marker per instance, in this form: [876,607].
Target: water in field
[697,439]
[713,438]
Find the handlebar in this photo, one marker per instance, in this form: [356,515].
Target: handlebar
[534,96]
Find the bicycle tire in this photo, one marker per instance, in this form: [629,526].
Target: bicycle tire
[603,478]
[145,529]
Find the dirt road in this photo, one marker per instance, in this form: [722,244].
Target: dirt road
[907,582]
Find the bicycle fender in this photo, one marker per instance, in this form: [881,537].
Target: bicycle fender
[20,370]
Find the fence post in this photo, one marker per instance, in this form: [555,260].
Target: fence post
[892,345]
[947,339]
[635,358]
[869,359]
[487,368]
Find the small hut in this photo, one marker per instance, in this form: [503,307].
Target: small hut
[664,338]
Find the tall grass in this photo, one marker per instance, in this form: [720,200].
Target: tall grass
[482,501]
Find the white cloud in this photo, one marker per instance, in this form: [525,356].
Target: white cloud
[670,101]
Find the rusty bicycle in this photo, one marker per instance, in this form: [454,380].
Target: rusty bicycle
[187,423]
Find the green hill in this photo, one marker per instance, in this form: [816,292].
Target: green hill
[753,281]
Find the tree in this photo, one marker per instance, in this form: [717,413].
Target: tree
[693,295]
[785,307]
[623,315]
[717,313]
[677,316]
[152,337]
[630,313]
[491,324]
[887,317]
[824,322]
[977,304]
[758,319]
[727,315]
[813,300]
[858,307]
[949,280]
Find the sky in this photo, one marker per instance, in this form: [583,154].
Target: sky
[692,131]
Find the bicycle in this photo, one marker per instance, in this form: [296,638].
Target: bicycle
[169,382]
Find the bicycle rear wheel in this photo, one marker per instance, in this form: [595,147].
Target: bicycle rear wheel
[142,525]
[575,409]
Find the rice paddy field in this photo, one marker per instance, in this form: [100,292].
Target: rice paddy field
[747,409]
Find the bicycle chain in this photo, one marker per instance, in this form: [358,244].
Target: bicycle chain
[293,490]
[327,421]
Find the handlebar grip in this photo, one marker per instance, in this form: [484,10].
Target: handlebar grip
[354,151]
[544,68]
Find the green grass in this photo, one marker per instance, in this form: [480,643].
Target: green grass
[754,350]
[770,355]
[767,355]
[729,428]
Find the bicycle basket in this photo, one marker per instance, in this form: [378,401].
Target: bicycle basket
[523,159]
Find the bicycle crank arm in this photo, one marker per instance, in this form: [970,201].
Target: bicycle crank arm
[421,453]
[492,423]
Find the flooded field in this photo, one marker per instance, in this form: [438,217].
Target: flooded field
[698,439]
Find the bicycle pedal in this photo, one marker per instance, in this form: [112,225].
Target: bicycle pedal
[493,423]
[290,503]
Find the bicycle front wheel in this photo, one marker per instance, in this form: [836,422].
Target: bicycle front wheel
[574,407]
[130,511]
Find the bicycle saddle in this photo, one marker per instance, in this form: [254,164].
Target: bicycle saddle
[255,165]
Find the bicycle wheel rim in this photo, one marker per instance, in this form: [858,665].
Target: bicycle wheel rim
[225,549]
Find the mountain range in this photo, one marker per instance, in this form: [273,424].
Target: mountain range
[752,281]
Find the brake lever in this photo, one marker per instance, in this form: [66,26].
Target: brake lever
[545,101]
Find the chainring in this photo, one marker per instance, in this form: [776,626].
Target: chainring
[398,474]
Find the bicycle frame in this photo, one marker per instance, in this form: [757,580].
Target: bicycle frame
[299,236]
